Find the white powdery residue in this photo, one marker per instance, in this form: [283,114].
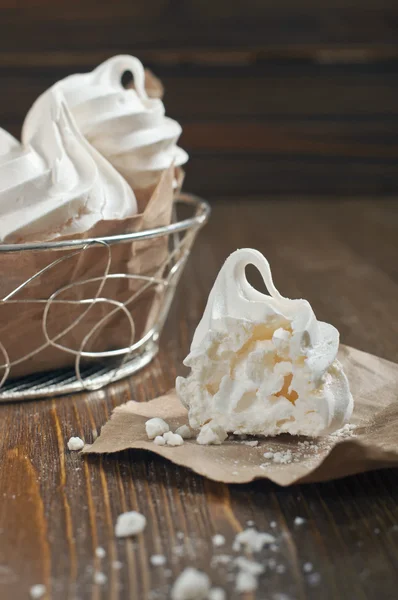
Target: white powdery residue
[218,540]
[75,444]
[345,432]
[173,439]
[100,578]
[191,585]
[185,432]
[211,433]
[159,440]
[100,552]
[246,582]
[129,523]
[314,579]
[157,560]
[156,427]
[37,591]
[281,458]
[221,559]
[252,540]
[280,569]
[178,550]
[217,593]
[299,521]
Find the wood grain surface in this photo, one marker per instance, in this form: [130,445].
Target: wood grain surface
[57,508]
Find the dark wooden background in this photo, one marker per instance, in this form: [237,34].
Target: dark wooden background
[294,96]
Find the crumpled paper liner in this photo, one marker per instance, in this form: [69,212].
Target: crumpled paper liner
[373,445]
[21,323]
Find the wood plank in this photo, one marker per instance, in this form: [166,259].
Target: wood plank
[178,25]
[213,175]
[271,90]
[56,508]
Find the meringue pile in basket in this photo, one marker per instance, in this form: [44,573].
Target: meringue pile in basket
[262,364]
[90,149]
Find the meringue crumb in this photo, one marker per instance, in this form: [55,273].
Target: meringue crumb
[211,433]
[75,444]
[157,560]
[249,566]
[173,439]
[252,540]
[100,578]
[117,565]
[185,432]
[218,540]
[100,552]
[191,584]
[37,591]
[159,440]
[299,521]
[282,458]
[130,523]
[246,582]
[155,427]
[217,593]
[307,567]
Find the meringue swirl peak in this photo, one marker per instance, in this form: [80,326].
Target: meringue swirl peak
[55,183]
[126,126]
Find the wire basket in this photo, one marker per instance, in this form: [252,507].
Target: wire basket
[93,369]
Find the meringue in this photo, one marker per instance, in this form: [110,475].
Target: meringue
[126,126]
[262,364]
[54,183]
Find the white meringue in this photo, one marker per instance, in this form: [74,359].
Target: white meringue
[263,364]
[55,183]
[125,125]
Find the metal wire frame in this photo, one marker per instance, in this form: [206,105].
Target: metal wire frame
[119,362]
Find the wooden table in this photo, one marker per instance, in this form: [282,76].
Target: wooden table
[57,508]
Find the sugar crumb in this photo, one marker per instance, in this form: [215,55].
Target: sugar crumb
[129,523]
[157,560]
[100,578]
[75,444]
[100,552]
[37,591]
[218,540]
[191,584]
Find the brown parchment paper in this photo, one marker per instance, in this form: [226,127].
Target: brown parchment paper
[21,323]
[373,444]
